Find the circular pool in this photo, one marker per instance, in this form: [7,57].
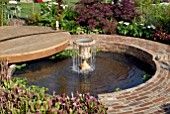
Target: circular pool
[113,71]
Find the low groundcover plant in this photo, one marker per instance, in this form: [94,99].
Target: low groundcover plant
[16,97]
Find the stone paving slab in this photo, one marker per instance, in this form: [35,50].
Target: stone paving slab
[10,32]
[24,43]
[151,97]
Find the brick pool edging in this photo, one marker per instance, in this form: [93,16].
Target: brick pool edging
[149,97]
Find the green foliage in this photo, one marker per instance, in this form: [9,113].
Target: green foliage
[28,9]
[117,89]
[135,30]
[156,14]
[146,77]
[67,22]
[46,16]
[19,67]
[3,12]
[34,19]
[62,55]
[16,97]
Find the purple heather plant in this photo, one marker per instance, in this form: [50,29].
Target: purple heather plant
[94,14]
[16,97]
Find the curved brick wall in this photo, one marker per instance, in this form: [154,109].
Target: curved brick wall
[152,97]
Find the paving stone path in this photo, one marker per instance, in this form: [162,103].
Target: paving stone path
[24,43]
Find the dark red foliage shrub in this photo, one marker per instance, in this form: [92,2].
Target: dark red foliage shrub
[94,14]
[125,10]
[161,36]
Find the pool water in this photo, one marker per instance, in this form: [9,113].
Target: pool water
[113,70]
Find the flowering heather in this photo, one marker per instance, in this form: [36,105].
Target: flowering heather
[16,97]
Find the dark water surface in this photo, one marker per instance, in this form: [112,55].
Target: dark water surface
[113,70]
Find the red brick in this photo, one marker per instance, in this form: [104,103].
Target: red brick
[141,109]
[112,111]
[128,92]
[132,97]
[159,99]
[141,88]
[149,84]
[159,112]
[144,93]
[141,98]
[121,97]
[154,89]
[120,106]
[161,80]
[129,112]
[146,104]
[168,90]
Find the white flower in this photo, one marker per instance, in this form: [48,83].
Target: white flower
[126,23]
[148,26]
[64,6]
[164,3]
[142,24]
[120,22]
[153,27]
[49,5]
[55,3]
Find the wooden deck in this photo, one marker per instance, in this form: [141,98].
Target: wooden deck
[25,43]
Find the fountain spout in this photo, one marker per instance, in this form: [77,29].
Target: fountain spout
[83,55]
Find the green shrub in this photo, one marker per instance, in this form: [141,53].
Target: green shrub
[146,77]
[62,55]
[155,14]
[3,12]
[46,17]
[68,21]
[16,97]
[135,30]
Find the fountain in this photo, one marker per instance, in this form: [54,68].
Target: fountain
[87,71]
[83,55]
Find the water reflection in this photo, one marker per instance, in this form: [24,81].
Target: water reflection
[112,71]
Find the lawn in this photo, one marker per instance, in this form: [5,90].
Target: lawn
[71,3]
[28,8]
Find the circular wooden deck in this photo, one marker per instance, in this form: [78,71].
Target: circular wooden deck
[25,43]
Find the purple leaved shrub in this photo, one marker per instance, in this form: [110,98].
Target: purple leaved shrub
[161,36]
[125,10]
[94,14]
